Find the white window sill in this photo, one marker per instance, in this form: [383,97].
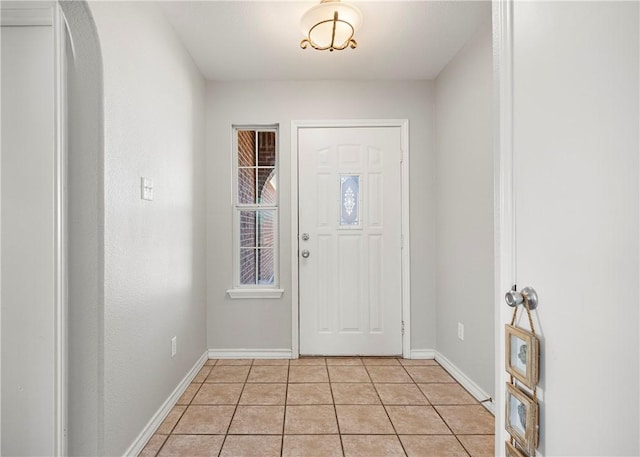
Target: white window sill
[255,293]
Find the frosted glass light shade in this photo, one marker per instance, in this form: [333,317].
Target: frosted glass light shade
[318,24]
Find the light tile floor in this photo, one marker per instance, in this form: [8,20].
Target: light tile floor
[317,407]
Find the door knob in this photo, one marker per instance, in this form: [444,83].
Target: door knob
[305,253]
[515,298]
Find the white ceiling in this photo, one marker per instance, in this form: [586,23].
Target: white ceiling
[259,40]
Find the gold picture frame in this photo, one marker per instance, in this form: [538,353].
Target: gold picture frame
[521,418]
[522,355]
[512,451]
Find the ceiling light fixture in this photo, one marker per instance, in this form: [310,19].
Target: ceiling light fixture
[330,25]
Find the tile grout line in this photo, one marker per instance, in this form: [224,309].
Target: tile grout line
[286,402]
[418,387]
[224,440]
[335,410]
[449,427]
[387,412]
[436,409]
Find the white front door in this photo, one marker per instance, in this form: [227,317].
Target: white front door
[350,283]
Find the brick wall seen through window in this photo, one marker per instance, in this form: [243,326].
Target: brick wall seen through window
[257,201]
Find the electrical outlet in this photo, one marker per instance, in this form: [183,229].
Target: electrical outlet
[174,346]
[460,331]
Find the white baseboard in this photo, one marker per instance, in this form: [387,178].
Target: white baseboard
[250,353]
[148,431]
[423,354]
[466,382]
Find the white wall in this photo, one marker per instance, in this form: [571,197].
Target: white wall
[266,324]
[576,143]
[84,216]
[154,266]
[464,234]
[28,234]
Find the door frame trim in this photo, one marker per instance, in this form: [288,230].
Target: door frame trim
[403,124]
[61,230]
[504,195]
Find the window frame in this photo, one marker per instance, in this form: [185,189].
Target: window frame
[242,291]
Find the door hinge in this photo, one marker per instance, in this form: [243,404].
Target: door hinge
[402,328]
[401,156]
[401,241]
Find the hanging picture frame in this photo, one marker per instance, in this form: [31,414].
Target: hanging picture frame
[522,355]
[521,418]
[512,451]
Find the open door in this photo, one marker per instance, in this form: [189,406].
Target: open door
[568,214]
[33,300]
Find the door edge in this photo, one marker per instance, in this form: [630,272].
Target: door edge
[504,203]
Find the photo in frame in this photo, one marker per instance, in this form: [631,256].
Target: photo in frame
[512,451]
[521,418]
[522,355]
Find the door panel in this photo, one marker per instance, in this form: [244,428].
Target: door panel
[28,247]
[350,284]
[576,117]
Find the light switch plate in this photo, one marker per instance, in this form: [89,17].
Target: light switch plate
[146,189]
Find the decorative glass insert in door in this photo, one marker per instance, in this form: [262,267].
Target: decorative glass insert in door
[349,200]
